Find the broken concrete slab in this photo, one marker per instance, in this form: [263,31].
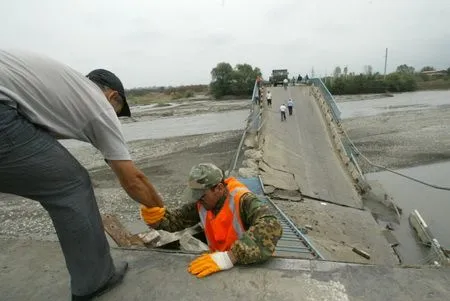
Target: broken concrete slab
[291,195]
[268,189]
[276,178]
[250,163]
[253,154]
[245,172]
[336,230]
[251,141]
[390,237]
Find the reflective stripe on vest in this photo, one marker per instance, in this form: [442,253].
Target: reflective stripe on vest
[236,224]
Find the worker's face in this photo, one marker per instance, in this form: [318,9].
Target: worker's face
[212,196]
[114,99]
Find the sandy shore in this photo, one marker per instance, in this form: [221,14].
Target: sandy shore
[402,139]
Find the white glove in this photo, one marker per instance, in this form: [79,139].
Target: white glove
[208,264]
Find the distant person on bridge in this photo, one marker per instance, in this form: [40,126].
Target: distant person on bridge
[269,99]
[259,81]
[299,78]
[285,83]
[283,112]
[42,100]
[239,228]
[257,95]
[290,105]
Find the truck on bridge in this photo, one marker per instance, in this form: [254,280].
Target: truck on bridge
[278,76]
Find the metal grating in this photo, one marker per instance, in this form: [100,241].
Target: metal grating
[293,243]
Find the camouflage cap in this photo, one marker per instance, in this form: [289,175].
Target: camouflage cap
[202,177]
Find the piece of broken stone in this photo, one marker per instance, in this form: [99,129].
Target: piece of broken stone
[246,172]
[361,253]
[191,244]
[253,154]
[268,189]
[250,163]
[251,141]
[390,226]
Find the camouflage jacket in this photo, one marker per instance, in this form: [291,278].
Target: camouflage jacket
[263,229]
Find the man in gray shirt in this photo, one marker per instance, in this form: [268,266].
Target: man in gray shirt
[42,100]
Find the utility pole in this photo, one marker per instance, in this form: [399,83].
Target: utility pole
[385,63]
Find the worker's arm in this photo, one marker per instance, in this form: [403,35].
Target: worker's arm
[135,183]
[104,132]
[180,218]
[264,230]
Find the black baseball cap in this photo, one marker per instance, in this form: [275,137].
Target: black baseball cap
[107,78]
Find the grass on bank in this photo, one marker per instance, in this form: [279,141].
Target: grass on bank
[162,99]
[438,84]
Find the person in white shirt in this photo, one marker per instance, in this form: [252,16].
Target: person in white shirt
[290,105]
[283,112]
[42,100]
[269,99]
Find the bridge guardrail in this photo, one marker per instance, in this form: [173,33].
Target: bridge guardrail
[317,82]
[350,151]
[253,124]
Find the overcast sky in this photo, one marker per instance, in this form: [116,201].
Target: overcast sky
[173,42]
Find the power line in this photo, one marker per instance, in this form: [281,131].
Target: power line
[358,152]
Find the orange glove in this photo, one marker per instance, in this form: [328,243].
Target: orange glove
[152,215]
[208,264]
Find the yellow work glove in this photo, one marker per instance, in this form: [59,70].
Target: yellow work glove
[208,264]
[152,215]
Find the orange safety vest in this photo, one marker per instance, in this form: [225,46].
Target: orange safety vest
[226,227]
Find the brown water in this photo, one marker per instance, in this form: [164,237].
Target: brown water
[433,204]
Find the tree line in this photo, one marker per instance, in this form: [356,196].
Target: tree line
[185,91]
[237,81]
[225,81]
[404,79]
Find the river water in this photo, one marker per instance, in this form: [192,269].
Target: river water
[433,204]
[179,126]
[351,107]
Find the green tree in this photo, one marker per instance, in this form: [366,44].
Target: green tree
[238,81]
[400,82]
[345,71]
[427,68]
[448,71]
[222,79]
[244,79]
[405,69]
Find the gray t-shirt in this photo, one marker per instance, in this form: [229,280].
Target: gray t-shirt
[61,100]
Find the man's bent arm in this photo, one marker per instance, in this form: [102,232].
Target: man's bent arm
[264,230]
[180,218]
[135,183]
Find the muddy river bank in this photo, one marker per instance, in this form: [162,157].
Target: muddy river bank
[410,133]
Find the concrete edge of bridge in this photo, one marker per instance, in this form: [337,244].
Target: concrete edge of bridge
[335,132]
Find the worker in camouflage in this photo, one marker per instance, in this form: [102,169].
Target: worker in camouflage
[210,195]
